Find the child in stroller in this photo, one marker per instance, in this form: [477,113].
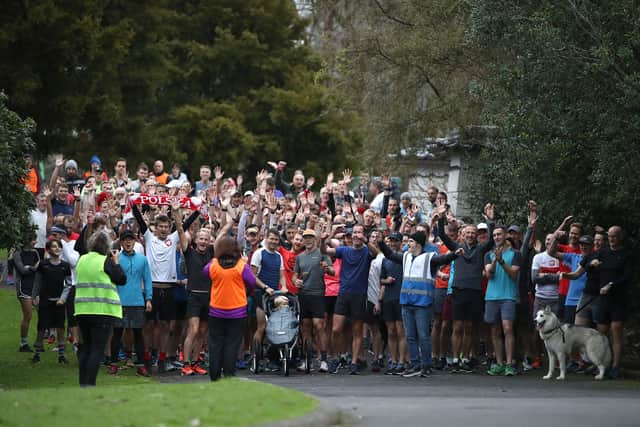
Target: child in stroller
[281,333]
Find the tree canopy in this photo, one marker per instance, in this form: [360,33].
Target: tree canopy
[15,199]
[199,82]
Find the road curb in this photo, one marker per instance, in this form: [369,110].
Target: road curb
[325,415]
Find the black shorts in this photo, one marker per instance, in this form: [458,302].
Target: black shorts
[352,306]
[163,305]
[330,304]
[70,307]
[50,315]
[24,288]
[311,306]
[370,317]
[198,305]
[467,304]
[132,318]
[609,310]
[181,310]
[391,311]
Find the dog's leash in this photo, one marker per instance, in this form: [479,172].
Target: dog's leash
[588,302]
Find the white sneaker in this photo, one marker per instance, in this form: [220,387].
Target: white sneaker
[324,367]
[302,367]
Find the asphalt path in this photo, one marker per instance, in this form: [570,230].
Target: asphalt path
[473,400]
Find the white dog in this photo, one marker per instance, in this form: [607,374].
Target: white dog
[560,340]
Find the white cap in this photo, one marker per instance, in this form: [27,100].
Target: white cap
[482,226]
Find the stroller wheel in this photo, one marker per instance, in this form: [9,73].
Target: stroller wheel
[285,361]
[257,356]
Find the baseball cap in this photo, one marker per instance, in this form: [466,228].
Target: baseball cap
[308,233]
[396,236]
[249,193]
[59,228]
[127,234]
[513,228]
[252,230]
[482,226]
[405,195]
[586,240]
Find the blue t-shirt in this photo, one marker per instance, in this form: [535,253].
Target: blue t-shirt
[501,286]
[354,276]
[575,286]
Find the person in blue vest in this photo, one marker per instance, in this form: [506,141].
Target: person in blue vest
[416,297]
[97,303]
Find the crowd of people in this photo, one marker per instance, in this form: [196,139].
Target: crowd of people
[158,270]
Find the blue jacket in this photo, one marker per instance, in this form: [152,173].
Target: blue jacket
[136,267]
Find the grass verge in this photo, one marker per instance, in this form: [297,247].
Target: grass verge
[47,393]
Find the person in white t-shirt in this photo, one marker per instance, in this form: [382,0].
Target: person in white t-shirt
[545,271]
[39,220]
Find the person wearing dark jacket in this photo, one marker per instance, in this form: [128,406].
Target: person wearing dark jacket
[466,300]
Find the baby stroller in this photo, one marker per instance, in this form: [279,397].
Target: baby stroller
[281,332]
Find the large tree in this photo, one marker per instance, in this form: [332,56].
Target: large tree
[15,199]
[192,81]
[563,89]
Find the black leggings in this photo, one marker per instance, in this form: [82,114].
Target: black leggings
[95,332]
[138,343]
[225,338]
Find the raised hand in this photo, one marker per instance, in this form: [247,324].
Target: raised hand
[329,180]
[532,218]
[218,173]
[346,176]
[274,165]
[310,181]
[47,191]
[489,211]
[59,159]
[239,181]
[532,206]
[384,179]
[76,192]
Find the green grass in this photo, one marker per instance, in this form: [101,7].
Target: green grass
[48,394]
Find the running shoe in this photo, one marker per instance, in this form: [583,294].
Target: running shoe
[170,367]
[177,364]
[353,369]
[302,367]
[454,367]
[413,371]
[51,339]
[273,367]
[142,371]
[241,364]
[400,369]
[324,367]
[425,372]
[614,373]
[24,348]
[36,358]
[62,360]
[496,370]
[186,371]
[112,369]
[437,363]
[333,366]
[391,370]
[526,364]
[465,367]
[537,362]
[573,367]
[198,370]
[509,371]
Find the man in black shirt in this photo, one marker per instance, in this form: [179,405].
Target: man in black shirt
[199,288]
[609,274]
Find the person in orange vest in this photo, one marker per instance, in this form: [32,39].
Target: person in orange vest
[230,276]
[31,179]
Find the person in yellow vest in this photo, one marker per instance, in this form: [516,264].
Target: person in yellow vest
[230,276]
[97,303]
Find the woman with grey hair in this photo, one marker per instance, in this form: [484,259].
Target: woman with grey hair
[97,303]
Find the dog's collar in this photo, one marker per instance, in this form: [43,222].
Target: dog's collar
[547,335]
